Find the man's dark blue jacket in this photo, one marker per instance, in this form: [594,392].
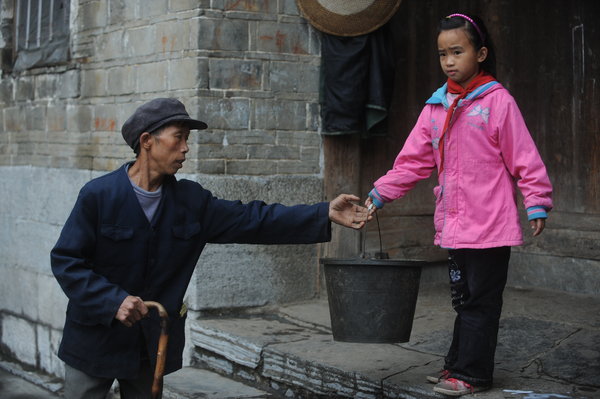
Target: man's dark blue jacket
[108,250]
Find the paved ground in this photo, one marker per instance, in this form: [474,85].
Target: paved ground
[549,348]
[16,387]
[16,383]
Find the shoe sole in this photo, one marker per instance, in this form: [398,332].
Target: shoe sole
[450,392]
[433,380]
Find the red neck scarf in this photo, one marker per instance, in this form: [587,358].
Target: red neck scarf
[453,87]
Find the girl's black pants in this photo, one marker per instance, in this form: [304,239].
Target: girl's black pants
[477,281]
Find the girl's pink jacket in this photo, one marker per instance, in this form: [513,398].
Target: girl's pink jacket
[487,149]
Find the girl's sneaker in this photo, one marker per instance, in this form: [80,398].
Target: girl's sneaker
[442,375]
[454,387]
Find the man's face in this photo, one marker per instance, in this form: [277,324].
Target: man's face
[168,149]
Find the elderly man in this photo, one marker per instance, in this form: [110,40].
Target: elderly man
[136,234]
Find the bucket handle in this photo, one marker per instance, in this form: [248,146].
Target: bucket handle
[380,254]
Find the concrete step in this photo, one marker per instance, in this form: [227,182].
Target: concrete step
[187,383]
[547,346]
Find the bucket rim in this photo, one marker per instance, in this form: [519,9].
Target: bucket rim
[372,262]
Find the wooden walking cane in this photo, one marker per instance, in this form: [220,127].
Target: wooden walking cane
[161,354]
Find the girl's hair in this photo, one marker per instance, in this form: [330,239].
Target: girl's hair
[477,34]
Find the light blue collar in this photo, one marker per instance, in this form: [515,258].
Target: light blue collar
[439,96]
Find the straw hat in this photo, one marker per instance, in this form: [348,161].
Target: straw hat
[348,17]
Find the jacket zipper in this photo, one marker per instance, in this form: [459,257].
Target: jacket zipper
[444,177]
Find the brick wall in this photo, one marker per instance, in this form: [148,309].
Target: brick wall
[247,68]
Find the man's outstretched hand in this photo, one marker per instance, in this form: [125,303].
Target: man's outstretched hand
[343,212]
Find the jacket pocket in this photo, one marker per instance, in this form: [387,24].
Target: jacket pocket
[438,216]
[116,233]
[187,231]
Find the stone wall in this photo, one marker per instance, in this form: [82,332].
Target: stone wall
[247,68]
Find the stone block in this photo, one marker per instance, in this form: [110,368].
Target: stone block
[79,118]
[56,117]
[223,34]
[136,43]
[93,14]
[52,302]
[289,7]
[105,117]
[184,73]
[93,83]
[250,137]
[206,166]
[285,167]
[153,8]
[6,90]
[251,167]
[236,74]
[17,285]
[172,36]
[204,383]
[25,89]
[225,113]
[273,152]
[69,84]
[313,117]
[120,11]
[152,77]
[185,5]
[274,37]
[219,151]
[304,139]
[279,115]
[230,346]
[46,86]
[33,243]
[253,6]
[288,190]
[18,335]
[546,271]
[121,80]
[35,118]
[275,274]
[14,119]
[109,46]
[294,77]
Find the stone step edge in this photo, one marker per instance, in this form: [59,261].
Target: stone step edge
[235,357]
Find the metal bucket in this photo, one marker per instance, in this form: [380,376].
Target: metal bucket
[372,300]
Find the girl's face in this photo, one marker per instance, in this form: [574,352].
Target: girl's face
[458,58]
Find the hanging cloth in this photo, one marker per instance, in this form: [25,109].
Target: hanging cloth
[357,76]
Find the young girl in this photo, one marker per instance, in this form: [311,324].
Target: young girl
[472,131]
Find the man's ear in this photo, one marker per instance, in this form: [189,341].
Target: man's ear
[482,54]
[145,141]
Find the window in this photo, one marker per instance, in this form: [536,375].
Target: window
[41,33]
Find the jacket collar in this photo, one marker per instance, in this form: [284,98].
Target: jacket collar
[439,96]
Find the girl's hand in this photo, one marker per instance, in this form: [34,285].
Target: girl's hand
[370,206]
[537,225]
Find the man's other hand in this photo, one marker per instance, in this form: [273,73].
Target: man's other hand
[131,310]
[343,212]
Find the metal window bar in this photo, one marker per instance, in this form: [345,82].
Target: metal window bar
[36,28]
[51,21]
[27,24]
[39,24]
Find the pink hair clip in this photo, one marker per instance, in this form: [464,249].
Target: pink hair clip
[471,21]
